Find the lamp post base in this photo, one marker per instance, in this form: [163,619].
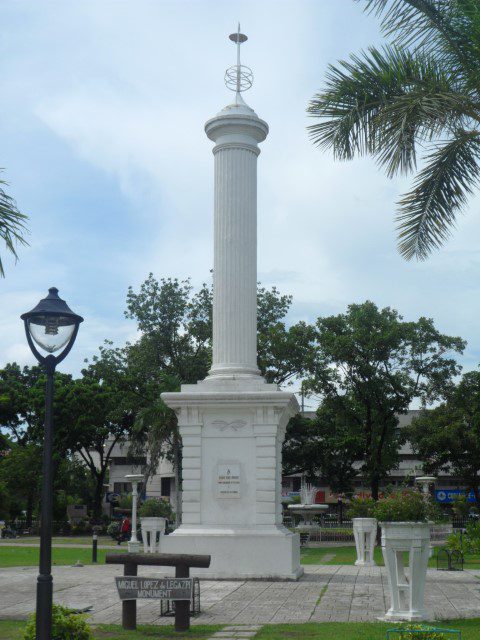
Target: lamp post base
[133,546]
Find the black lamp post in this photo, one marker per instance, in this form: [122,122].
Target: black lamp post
[53,327]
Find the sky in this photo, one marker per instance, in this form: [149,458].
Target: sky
[101,137]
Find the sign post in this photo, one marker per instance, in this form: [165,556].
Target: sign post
[179,589]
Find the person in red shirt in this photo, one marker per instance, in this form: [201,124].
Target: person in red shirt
[125,530]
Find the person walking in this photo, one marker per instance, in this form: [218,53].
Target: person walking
[125,530]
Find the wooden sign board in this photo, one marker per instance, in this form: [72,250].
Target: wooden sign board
[136,588]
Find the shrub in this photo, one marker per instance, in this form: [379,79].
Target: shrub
[125,501]
[466,543]
[113,529]
[361,507]
[460,506]
[81,528]
[420,632]
[456,542]
[153,508]
[405,506]
[65,626]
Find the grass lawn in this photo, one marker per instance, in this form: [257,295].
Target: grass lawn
[16,556]
[73,540]
[12,556]
[347,555]
[354,630]
[12,630]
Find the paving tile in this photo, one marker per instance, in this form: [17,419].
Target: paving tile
[352,593]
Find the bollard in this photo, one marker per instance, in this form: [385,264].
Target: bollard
[96,529]
[94,547]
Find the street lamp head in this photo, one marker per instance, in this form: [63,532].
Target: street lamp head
[52,326]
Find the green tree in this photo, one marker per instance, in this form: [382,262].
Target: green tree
[4,501]
[420,94]
[370,366]
[327,446]
[20,466]
[20,471]
[12,225]
[447,438]
[98,422]
[81,423]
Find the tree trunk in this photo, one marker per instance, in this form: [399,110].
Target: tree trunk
[375,487]
[98,496]
[29,510]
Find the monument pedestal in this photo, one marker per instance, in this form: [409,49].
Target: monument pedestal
[241,554]
[232,432]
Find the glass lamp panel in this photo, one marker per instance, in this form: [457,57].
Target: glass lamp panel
[51,333]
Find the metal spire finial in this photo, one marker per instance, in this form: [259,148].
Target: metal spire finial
[239,77]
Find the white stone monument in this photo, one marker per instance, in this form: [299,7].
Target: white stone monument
[233,423]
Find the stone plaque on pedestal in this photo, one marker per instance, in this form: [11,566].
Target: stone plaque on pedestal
[228,480]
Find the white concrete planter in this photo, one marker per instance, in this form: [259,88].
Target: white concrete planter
[152,530]
[406,587]
[365,532]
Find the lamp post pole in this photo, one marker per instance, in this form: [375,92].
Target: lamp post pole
[44,579]
[52,326]
[133,544]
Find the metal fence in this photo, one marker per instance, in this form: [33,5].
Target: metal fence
[333,532]
[330,534]
[22,528]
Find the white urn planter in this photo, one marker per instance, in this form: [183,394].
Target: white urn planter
[406,582]
[152,531]
[365,532]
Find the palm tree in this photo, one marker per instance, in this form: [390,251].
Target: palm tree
[418,96]
[12,225]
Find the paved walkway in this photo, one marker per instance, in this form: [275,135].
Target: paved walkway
[337,593]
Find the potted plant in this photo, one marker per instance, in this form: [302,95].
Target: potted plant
[405,519]
[364,529]
[154,514]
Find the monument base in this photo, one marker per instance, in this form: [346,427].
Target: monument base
[232,431]
[239,554]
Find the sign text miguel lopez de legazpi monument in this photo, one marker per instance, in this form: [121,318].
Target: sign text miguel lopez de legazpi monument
[233,423]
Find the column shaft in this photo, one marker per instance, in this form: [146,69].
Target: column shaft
[235,264]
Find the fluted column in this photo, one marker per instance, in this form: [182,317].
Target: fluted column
[235,241]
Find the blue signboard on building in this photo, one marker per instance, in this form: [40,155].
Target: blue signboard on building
[447,496]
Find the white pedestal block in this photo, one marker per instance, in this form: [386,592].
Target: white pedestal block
[240,554]
[152,531]
[406,588]
[232,433]
[133,546]
[365,532]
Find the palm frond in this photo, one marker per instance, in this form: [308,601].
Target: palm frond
[12,225]
[441,189]
[382,103]
[429,109]
[446,28]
